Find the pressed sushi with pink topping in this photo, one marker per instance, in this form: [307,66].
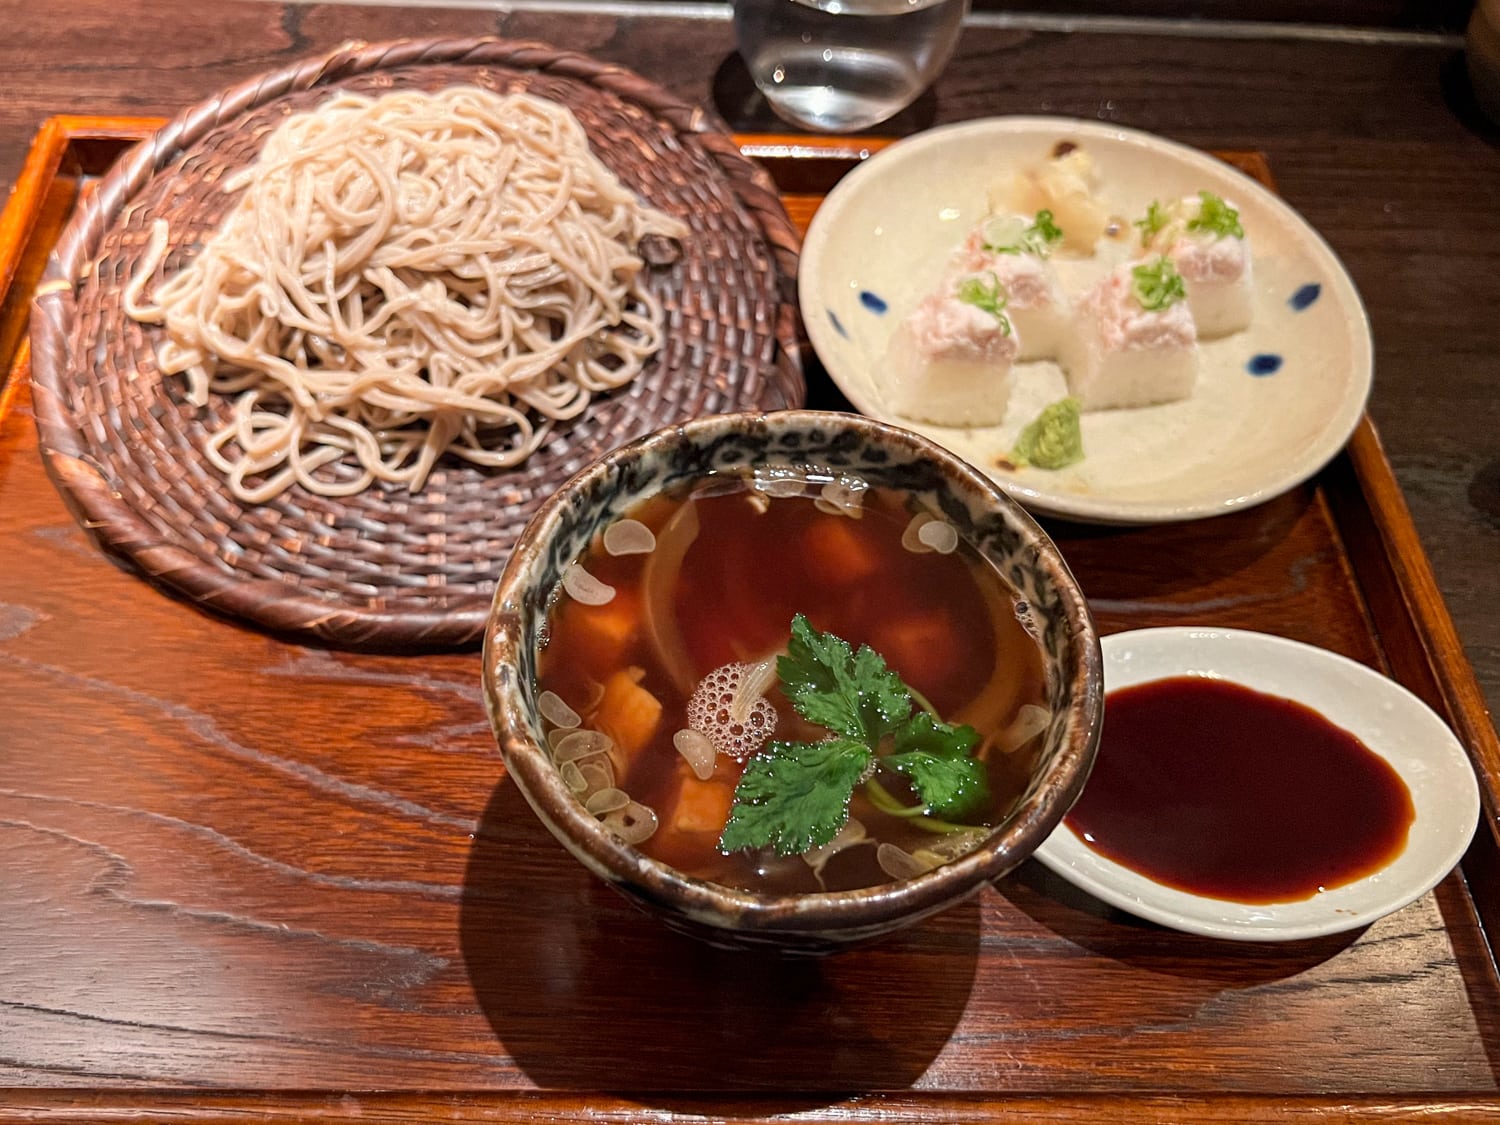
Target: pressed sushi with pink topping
[1203,236]
[1135,342]
[1037,306]
[949,362]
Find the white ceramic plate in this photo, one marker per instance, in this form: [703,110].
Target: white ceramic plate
[1381,713]
[880,241]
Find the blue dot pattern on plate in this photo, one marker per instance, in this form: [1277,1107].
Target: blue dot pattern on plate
[1264,364]
[837,324]
[1305,296]
[872,301]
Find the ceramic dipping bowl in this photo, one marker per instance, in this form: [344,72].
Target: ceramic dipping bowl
[884,456]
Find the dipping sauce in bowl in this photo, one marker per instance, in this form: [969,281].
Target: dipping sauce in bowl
[1254,788]
[1224,791]
[791,680]
[706,583]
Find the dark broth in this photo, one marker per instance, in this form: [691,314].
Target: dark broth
[1224,791]
[944,623]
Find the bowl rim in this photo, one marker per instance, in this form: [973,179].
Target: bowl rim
[728,907]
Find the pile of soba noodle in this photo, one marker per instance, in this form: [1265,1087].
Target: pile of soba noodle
[406,276]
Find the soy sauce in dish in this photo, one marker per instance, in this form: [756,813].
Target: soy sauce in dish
[1226,792]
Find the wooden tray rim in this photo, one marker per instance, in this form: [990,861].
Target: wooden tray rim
[1440,674]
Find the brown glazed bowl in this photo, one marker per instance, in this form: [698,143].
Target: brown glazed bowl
[884,456]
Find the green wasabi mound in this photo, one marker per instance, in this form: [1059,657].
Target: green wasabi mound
[1053,439]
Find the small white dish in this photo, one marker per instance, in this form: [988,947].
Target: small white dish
[1388,719]
[1273,404]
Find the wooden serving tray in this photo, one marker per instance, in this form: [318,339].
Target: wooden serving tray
[242,880]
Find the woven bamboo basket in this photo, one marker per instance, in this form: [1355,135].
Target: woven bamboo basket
[388,568]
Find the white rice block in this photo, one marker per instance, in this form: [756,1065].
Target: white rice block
[1037,306]
[1123,355]
[949,363]
[1217,272]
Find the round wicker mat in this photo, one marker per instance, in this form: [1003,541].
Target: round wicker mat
[387,568]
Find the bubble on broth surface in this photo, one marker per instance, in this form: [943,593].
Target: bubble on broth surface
[729,706]
[731,567]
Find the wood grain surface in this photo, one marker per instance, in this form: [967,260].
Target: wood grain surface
[255,865]
[229,864]
[1377,144]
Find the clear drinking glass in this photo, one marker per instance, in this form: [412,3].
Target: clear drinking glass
[842,65]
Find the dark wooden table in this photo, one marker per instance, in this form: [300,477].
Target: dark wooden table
[194,895]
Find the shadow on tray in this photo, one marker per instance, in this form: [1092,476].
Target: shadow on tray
[1054,903]
[586,992]
[1121,568]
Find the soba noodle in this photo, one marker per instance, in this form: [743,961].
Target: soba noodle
[406,276]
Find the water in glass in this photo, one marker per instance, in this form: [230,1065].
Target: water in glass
[841,65]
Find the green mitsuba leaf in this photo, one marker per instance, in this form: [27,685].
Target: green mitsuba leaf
[851,693]
[934,757]
[794,796]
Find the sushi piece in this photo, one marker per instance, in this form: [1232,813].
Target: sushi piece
[949,362]
[1203,236]
[1015,249]
[1136,344]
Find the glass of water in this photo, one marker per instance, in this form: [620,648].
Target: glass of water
[841,65]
